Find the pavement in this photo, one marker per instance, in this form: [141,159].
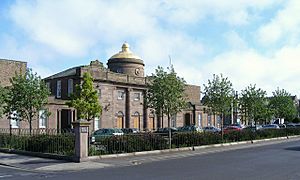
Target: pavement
[51,165]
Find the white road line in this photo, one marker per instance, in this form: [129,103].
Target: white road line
[5,176]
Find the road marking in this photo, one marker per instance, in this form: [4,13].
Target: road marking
[5,176]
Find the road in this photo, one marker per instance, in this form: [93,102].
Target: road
[276,161]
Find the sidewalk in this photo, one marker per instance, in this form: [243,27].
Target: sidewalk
[43,164]
[51,165]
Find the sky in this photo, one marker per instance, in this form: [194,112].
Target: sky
[248,41]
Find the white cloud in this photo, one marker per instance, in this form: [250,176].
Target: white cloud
[155,30]
[284,26]
[235,41]
[74,27]
[249,67]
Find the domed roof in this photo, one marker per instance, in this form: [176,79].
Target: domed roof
[125,53]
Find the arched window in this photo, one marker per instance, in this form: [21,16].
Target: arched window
[136,120]
[120,120]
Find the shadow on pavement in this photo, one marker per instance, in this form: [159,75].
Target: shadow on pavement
[46,161]
[296,148]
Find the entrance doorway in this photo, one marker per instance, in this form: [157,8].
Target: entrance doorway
[187,119]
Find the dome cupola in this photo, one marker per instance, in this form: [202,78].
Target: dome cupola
[126,62]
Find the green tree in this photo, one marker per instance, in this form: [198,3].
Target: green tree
[166,92]
[253,103]
[85,99]
[283,105]
[218,96]
[3,96]
[27,95]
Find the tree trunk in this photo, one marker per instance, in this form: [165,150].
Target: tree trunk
[30,125]
[170,133]
[222,129]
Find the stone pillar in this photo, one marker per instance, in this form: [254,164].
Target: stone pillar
[59,119]
[81,129]
[128,107]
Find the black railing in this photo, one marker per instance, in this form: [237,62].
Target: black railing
[50,141]
[154,141]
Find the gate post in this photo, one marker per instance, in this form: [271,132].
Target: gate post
[81,129]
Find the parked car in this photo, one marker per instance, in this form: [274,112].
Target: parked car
[253,128]
[290,125]
[211,129]
[191,128]
[270,126]
[105,132]
[229,129]
[241,126]
[130,130]
[165,131]
[282,126]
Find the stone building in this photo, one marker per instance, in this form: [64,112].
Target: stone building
[121,88]
[8,69]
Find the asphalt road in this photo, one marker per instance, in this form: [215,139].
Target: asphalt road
[276,161]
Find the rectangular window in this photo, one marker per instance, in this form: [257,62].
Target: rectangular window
[14,121]
[48,86]
[42,119]
[70,86]
[58,89]
[137,96]
[96,123]
[121,94]
[208,120]
[200,119]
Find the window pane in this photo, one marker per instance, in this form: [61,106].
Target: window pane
[58,89]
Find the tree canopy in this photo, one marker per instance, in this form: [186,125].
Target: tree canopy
[253,103]
[218,95]
[283,105]
[27,95]
[166,92]
[85,99]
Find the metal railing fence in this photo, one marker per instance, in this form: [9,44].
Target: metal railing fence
[155,141]
[50,141]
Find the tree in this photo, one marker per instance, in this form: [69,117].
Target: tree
[254,104]
[27,95]
[85,99]
[166,92]
[283,105]
[218,96]
[3,96]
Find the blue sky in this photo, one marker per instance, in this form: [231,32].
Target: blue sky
[249,41]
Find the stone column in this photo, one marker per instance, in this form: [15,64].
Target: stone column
[59,119]
[81,129]
[127,114]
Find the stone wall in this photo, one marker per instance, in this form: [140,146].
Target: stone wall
[9,68]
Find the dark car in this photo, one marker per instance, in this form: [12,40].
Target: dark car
[191,128]
[211,129]
[165,131]
[270,126]
[252,128]
[105,132]
[130,130]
